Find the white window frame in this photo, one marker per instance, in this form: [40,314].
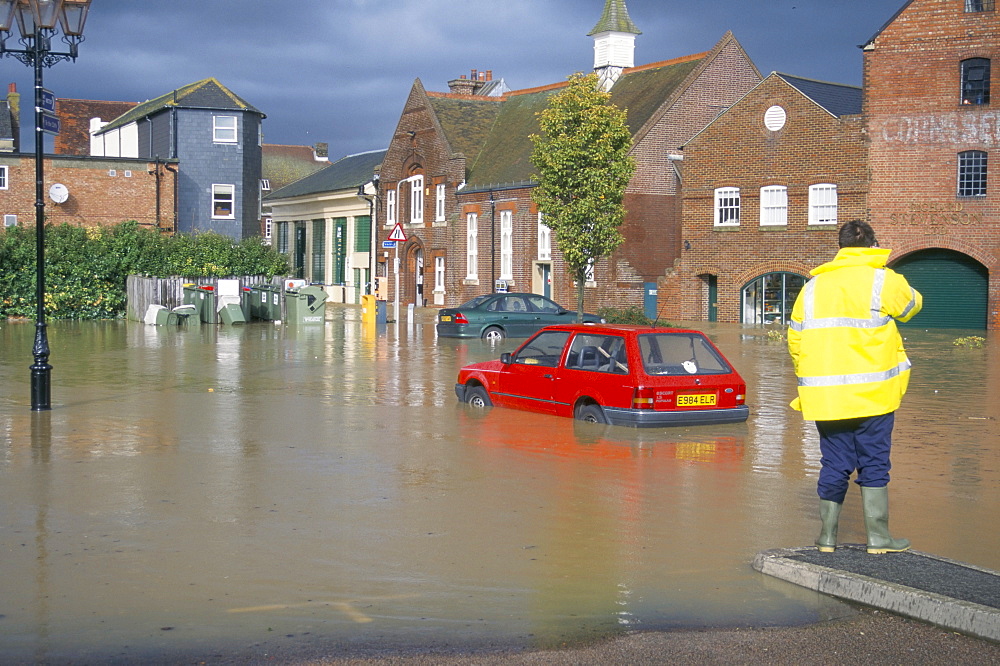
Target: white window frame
[506,245]
[727,207]
[268,229]
[544,240]
[219,192]
[390,206]
[972,173]
[439,274]
[417,200]
[823,203]
[4,175]
[472,246]
[773,206]
[222,132]
[439,199]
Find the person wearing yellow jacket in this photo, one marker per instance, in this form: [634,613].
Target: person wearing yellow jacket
[852,373]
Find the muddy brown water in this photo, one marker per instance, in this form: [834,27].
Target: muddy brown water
[267,488]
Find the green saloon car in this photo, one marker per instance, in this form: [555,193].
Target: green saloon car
[494,317]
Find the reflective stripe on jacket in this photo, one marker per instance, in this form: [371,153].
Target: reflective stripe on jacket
[845,346]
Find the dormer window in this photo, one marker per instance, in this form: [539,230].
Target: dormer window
[976,81]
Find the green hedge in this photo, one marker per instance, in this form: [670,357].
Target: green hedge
[626,315]
[86,268]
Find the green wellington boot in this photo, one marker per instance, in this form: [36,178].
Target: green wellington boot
[829,513]
[876,505]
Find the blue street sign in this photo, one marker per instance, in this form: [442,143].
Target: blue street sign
[388,244]
[48,101]
[50,124]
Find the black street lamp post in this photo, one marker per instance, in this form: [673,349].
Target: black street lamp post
[36,20]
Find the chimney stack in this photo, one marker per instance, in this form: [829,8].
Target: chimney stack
[471,85]
[14,104]
[462,86]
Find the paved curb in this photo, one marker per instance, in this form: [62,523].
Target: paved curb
[916,600]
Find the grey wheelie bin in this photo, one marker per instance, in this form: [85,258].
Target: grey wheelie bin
[306,305]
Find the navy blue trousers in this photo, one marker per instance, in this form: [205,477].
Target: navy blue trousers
[851,445]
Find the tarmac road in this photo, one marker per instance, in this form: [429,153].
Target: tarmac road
[867,637]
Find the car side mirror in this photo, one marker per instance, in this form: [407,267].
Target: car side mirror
[505,358]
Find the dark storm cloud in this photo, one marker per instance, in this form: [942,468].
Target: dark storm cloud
[339,70]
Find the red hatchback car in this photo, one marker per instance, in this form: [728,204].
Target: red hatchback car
[604,373]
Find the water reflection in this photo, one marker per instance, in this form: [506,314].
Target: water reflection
[276,485]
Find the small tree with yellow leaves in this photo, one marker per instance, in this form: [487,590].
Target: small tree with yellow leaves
[583,162]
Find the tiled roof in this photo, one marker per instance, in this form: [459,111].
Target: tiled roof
[615,18]
[642,90]
[282,165]
[505,157]
[204,94]
[465,119]
[837,98]
[347,173]
[74,116]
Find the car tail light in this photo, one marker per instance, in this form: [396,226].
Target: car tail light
[461,318]
[642,398]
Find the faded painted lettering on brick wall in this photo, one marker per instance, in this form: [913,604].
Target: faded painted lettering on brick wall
[950,128]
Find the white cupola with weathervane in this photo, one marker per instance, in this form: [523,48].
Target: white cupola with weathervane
[614,43]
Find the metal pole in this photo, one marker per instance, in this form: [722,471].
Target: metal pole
[395,300]
[493,243]
[41,377]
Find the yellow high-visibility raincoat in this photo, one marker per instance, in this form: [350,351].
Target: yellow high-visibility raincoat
[845,346]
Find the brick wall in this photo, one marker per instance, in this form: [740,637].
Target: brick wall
[101,191]
[418,147]
[737,150]
[653,224]
[74,117]
[918,124]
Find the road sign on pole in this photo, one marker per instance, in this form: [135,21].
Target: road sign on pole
[50,124]
[48,101]
[397,234]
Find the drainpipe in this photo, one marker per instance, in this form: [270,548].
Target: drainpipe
[173,170]
[155,173]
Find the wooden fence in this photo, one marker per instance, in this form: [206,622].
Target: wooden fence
[142,291]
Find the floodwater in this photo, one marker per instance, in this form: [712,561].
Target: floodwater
[264,490]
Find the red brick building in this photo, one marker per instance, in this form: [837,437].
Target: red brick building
[765,185]
[78,117]
[457,176]
[934,133]
[100,191]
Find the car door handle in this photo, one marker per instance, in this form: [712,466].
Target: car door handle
[547,376]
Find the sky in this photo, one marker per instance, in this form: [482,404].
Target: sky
[339,71]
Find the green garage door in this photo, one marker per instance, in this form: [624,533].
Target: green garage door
[954,287]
